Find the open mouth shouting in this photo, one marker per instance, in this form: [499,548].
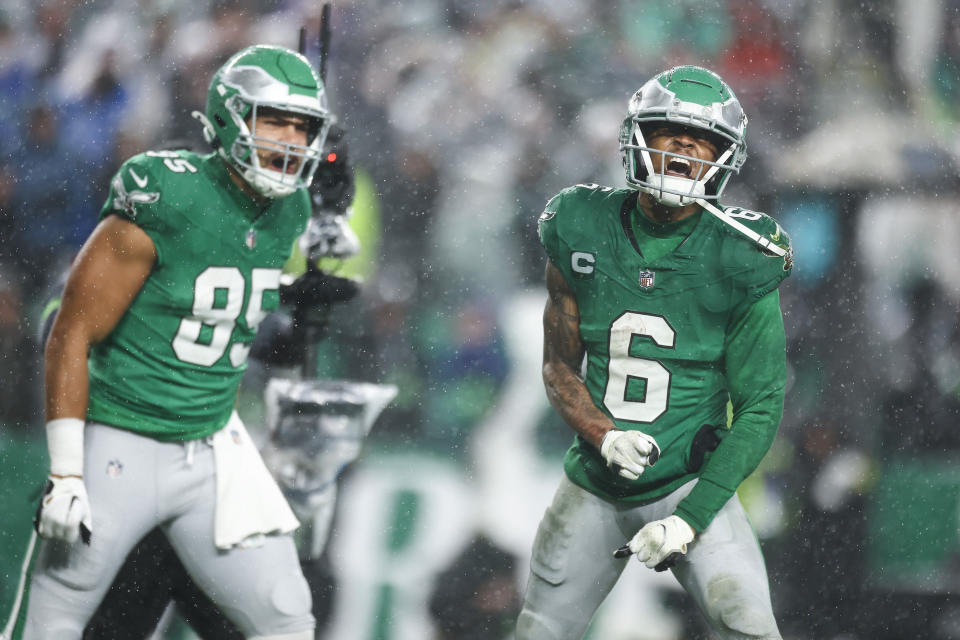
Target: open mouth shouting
[680,167]
[282,163]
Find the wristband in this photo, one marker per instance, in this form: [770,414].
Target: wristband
[65,444]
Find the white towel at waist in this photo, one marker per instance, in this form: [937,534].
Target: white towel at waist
[249,502]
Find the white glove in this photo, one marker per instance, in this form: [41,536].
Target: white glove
[628,452]
[64,512]
[660,543]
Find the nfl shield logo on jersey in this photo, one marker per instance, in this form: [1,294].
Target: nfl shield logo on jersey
[646,279]
[251,240]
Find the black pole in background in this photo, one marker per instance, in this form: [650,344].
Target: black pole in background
[315,320]
[324,39]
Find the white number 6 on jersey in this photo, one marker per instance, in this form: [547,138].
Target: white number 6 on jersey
[623,367]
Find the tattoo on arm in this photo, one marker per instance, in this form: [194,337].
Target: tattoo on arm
[561,322]
[563,352]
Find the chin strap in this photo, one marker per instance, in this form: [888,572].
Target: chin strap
[765,243]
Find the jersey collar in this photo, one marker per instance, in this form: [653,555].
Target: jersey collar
[250,208]
[631,216]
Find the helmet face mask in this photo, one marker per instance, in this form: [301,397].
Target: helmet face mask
[255,82]
[690,97]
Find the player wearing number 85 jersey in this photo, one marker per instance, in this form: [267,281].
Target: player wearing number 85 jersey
[148,348]
[672,300]
[174,375]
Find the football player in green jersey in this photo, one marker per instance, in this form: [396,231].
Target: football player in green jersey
[148,349]
[662,308]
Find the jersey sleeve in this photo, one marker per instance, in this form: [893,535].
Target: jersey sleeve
[755,364]
[135,195]
[549,231]
[761,271]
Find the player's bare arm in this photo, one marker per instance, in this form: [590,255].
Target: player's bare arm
[563,352]
[107,275]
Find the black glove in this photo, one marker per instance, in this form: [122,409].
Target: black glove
[276,342]
[315,288]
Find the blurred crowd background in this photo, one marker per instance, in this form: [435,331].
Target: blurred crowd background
[462,119]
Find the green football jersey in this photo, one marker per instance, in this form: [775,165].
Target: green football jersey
[655,330]
[171,367]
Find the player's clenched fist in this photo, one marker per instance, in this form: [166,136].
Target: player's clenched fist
[628,452]
[660,544]
[64,511]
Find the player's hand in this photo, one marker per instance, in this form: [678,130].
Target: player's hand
[64,510]
[660,543]
[628,452]
[316,287]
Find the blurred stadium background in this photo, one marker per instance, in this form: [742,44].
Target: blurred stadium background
[463,118]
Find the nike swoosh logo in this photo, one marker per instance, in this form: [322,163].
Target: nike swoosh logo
[141,182]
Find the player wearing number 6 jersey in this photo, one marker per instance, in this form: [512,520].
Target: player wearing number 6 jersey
[145,356]
[672,299]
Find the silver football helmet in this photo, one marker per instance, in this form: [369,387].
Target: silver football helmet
[693,97]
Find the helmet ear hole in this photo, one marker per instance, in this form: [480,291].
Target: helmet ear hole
[314,127]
